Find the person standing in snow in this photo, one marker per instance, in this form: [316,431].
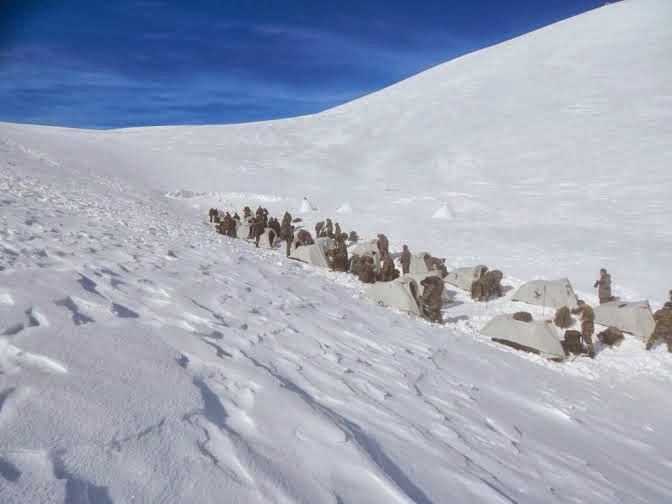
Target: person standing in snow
[663,329]
[492,280]
[258,228]
[329,229]
[432,298]
[319,226]
[286,234]
[366,269]
[478,290]
[603,286]
[287,219]
[383,245]
[387,269]
[587,325]
[337,230]
[405,260]
[212,213]
[275,225]
[229,226]
[339,255]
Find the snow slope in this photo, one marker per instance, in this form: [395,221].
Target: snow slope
[145,359]
[571,120]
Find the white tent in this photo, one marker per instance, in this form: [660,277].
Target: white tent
[551,293]
[418,264]
[326,243]
[307,206]
[294,246]
[419,277]
[634,318]
[367,246]
[399,294]
[464,277]
[313,254]
[243,228]
[538,336]
[269,239]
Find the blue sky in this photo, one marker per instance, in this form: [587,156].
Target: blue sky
[118,63]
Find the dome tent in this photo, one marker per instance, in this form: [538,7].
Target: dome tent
[464,277]
[314,254]
[326,243]
[243,228]
[366,246]
[634,317]
[269,239]
[400,294]
[418,263]
[551,293]
[539,337]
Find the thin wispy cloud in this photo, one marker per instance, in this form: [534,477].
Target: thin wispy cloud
[131,62]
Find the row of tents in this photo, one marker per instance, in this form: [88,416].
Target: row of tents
[634,318]
[538,336]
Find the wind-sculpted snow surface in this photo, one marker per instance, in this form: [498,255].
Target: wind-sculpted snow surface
[143,358]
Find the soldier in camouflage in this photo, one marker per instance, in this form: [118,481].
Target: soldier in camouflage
[432,298]
[387,269]
[587,325]
[383,245]
[366,269]
[339,254]
[603,286]
[258,227]
[405,260]
[663,329]
[319,226]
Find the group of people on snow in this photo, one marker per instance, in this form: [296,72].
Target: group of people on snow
[361,265]
[485,286]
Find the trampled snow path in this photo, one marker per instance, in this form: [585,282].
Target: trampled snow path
[146,359]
